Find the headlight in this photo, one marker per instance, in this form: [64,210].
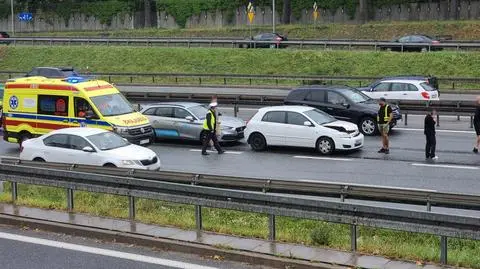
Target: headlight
[120,130]
[129,162]
[345,136]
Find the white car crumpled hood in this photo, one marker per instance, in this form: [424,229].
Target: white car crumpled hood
[133,152]
[345,124]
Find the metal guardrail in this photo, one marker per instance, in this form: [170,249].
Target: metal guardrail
[273,204]
[301,79]
[234,43]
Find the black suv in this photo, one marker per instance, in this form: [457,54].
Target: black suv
[344,103]
[53,72]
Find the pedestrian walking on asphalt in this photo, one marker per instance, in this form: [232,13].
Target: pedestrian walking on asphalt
[476,125]
[429,131]
[209,127]
[384,117]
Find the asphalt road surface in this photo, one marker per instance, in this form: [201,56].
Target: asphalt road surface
[256,91]
[25,249]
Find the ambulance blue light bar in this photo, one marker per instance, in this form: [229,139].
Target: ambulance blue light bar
[74,80]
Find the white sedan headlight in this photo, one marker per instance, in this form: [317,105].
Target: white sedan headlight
[129,162]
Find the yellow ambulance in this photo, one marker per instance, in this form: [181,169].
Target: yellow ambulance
[33,106]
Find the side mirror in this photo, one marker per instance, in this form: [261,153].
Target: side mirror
[189,118]
[307,123]
[346,105]
[88,149]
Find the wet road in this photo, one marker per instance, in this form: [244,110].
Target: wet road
[21,249]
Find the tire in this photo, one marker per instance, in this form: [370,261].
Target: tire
[325,146]
[367,126]
[24,136]
[38,159]
[257,142]
[109,165]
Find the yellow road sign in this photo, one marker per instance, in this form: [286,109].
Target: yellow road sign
[315,15]
[251,16]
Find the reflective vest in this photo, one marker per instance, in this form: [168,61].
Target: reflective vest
[212,121]
[386,117]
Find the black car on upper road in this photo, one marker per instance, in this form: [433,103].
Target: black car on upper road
[419,43]
[53,72]
[344,103]
[272,40]
[4,36]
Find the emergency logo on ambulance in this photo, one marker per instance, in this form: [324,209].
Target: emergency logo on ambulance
[13,101]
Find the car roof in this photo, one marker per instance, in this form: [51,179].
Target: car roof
[323,87]
[55,67]
[286,108]
[178,104]
[404,80]
[83,131]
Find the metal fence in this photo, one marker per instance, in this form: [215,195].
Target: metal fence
[238,43]
[250,79]
[261,196]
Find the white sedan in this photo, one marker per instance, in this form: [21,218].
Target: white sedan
[301,126]
[90,146]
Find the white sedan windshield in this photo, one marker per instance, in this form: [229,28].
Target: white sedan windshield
[107,141]
[319,116]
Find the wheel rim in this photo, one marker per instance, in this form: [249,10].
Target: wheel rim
[257,142]
[324,146]
[368,126]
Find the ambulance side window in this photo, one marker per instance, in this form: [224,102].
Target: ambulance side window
[83,108]
[53,105]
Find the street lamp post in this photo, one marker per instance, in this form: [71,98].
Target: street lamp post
[13,17]
[273,15]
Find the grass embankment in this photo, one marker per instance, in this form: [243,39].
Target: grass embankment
[460,30]
[375,241]
[260,61]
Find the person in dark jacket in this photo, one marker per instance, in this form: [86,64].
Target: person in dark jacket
[429,131]
[476,125]
[210,130]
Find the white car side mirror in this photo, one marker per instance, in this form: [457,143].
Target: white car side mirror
[307,123]
[88,149]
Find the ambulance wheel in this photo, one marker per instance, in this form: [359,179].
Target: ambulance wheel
[23,137]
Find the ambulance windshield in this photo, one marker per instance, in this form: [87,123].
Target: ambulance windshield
[112,104]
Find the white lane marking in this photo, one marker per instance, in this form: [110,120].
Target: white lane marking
[438,130]
[211,151]
[323,158]
[446,166]
[103,252]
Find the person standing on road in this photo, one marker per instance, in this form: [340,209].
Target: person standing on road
[384,117]
[209,127]
[429,131]
[476,125]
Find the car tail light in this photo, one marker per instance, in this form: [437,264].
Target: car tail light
[278,38]
[435,42]
[426,95]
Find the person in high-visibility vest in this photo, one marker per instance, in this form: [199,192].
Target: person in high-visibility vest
[210,130]
[384,117]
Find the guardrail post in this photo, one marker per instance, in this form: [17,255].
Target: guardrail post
[406,119]
[271,228]
[198,217]
[353,237]
[131,207]
[235,109]
[443,249]
[70,199]
[471,121]
[109,79]
[438,120]
[224,81]
[14,191]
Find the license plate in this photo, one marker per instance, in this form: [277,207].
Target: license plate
[144,141]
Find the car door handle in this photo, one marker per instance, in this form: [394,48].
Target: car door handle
[330,108]
[155,121]
[405,94]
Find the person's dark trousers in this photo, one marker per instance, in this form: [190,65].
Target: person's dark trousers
[211,136]
[430,147]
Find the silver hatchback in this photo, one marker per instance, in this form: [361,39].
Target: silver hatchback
[184,120]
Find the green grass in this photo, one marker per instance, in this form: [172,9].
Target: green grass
[394,244]
[460,30]
[265,61]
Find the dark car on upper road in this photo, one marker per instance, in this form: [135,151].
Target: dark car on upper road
[272,40]
[344,103]
[421,43]
[53,72]
[4,36]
